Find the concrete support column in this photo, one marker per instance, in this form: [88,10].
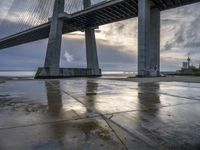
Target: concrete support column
[143,37]
[91,48]
[52,60]
[155,42]
[148,39]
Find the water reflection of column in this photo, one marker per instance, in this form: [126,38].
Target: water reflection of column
[91,93]
[148,96]
[148,114]
[69,134]
[54,97]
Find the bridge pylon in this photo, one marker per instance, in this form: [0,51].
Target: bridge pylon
[148,39]
[91,48]
[51,67]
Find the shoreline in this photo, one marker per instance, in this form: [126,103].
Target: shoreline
[12,78]
[187,79]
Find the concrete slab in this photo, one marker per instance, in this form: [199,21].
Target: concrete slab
[25,103]
[92,114]
[167,128]
[81,134]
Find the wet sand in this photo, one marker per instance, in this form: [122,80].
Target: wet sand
[190,79]
[101,114]
[187,79]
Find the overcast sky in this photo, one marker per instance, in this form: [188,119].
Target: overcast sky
[116,43]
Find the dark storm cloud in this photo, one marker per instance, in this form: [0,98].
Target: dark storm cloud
[109,55]
[9,27]
[23,14]
[187,36]
[168,21]
[117,27]
[28,56]
[184,31]
[112,54]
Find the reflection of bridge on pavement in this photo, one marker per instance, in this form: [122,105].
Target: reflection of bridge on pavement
[87,18]
[99,114]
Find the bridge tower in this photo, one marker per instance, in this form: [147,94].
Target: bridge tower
[91,48]
[51,67]
[148,39]
[52,60]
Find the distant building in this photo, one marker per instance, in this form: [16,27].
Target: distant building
[188,61]
[185,66]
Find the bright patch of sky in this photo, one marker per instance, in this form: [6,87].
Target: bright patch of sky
[116,43]
[4,7]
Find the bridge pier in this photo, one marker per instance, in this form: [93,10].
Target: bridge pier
[148,39]
[51,67]
[52,61]
[155,42]
[91,48]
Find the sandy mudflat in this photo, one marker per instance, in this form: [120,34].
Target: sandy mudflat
[2,81]
[7,78]
[191,79]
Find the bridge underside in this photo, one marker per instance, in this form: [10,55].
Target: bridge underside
[100,14]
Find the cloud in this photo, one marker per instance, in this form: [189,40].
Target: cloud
[116,43]
[68,57]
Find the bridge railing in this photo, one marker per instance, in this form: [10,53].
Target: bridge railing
[21,15]
[73,6]
[25,14]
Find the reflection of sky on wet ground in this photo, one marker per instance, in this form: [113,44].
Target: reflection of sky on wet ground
[99,114]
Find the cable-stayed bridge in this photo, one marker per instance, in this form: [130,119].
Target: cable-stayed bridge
[32,20]
[33,24]
[32,15]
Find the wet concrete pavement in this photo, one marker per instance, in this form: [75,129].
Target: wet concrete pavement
[99,114]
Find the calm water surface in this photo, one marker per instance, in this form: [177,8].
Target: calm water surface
[32,73]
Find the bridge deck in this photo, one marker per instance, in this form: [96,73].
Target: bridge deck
[100,14]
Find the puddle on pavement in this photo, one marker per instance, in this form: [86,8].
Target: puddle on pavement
[143,109]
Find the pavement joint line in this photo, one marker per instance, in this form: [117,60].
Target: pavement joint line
[162,93]
[196,101]
[119,138]
[77,114]
[167,85]
[136,134]
[180,104]
[62,121]
[133,132]
[153,108]
[103,117]
[163,83]
[48,123]
[190,98]
[128,80]
[90,117]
